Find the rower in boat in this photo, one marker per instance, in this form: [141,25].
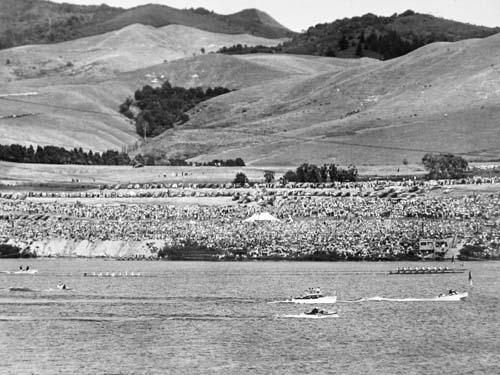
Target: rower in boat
[317,311]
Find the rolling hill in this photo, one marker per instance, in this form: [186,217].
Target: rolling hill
[285,110]
[441,98]
[133,47]
[40,22]
[40,81]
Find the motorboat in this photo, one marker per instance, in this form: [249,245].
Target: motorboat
[23,272]
[453,296]
[450,296]
[62,286]
[314,297]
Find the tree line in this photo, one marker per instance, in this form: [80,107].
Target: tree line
[445,166]
[155,110]
[309,173]
[327,172]
[384,46]
[370,35]
[59,155]
[239,49]
[151,160]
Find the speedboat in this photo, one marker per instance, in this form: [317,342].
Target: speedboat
[313,298]
[455,296]
[25,272]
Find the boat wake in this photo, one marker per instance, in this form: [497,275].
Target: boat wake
[307,316]
[443,298]
[434,299]
[59,290]
[309,301]
[20,272]
[21,289]
[17,318]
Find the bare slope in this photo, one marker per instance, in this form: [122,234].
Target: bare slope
[43,81]
[443,97]
[133,47]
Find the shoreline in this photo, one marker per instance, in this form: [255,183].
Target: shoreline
[150,250]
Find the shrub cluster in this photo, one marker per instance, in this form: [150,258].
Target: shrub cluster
[445,166]
[328,172]
[11,251]
[239,49]
[162,107]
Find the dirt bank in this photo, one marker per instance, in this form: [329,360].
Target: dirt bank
[60,247]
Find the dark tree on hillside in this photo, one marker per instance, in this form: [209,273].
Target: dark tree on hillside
[362,37]
[240,179]
[162,107]
[308,173]
[343,43]
[347,175]
[323,171]
[359,49]
[290,176]
[371,42]
[330,52]
[445,166]
[239,162]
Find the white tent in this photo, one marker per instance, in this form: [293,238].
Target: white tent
[262,216]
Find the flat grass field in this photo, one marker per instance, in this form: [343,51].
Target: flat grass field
[32,174]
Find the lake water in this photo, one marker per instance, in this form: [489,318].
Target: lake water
[212,318]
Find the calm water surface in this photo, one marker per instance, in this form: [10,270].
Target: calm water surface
[211,318]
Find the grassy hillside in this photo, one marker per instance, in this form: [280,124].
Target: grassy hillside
[287,109]
[84,75]
[36,21]
[250,21]
[443,97]
[133,47]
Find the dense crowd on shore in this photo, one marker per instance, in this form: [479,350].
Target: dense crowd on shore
[342,227]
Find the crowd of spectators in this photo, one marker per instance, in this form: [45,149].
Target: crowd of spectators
[362,226]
